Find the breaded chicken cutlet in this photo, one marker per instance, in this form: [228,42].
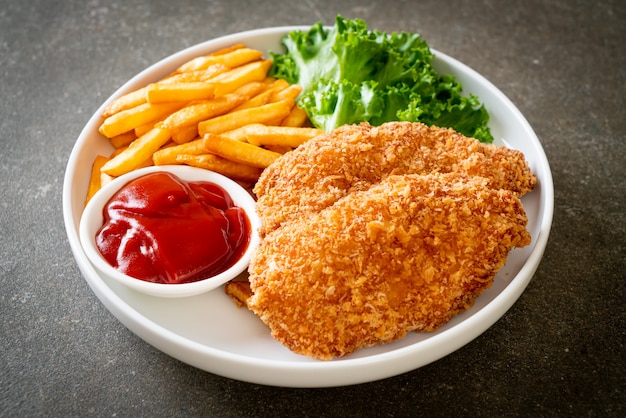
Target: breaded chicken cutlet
[407,254]
[371,233]
[354,157]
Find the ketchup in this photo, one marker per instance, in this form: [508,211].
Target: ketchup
[161,229]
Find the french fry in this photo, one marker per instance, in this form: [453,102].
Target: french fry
[147,163]
[142,129]
[249,90]
[270,80]
[256,101]
[238,134]
[231,80]
[238,57]
[123,140]
[167,155]
[221,165]
[126,101]
[297,118]
[235,58]
[199,75]
[239,290]
[228,49]
[265,96]
[240,152]
[203,61]
[198,112]
[288,136]
[129,119]
[233,120]
[137,152]
[277,84]
[94,179]
[179,92]
[281,149]
[289,94]
[184,134]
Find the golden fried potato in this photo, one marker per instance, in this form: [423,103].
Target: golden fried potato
[240,152]
[137,153]
[232,169]
[262,114]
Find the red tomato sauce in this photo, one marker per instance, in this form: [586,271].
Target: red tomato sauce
[161,229]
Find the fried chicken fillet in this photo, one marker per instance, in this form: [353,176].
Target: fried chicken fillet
[375,232]
[354,157]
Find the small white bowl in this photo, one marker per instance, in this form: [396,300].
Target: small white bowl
[92,219]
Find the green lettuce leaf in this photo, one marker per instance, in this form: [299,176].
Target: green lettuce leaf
[350,74]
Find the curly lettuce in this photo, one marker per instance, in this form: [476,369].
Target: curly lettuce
[350,74]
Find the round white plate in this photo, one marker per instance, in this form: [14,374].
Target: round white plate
[209,332]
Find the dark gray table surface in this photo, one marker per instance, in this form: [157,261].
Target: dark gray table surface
[559,351]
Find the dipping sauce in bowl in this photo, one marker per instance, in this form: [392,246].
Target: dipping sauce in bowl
[170,231]
[160,228]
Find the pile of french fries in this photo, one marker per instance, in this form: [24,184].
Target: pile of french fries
[220,112]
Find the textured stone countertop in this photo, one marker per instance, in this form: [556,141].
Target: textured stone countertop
[559,351]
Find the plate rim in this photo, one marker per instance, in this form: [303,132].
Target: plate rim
[307,374]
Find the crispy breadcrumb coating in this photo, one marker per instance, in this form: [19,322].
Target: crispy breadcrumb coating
[354,157]
[371,233]
[407,254]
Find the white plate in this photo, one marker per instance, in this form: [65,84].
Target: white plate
[211,333]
